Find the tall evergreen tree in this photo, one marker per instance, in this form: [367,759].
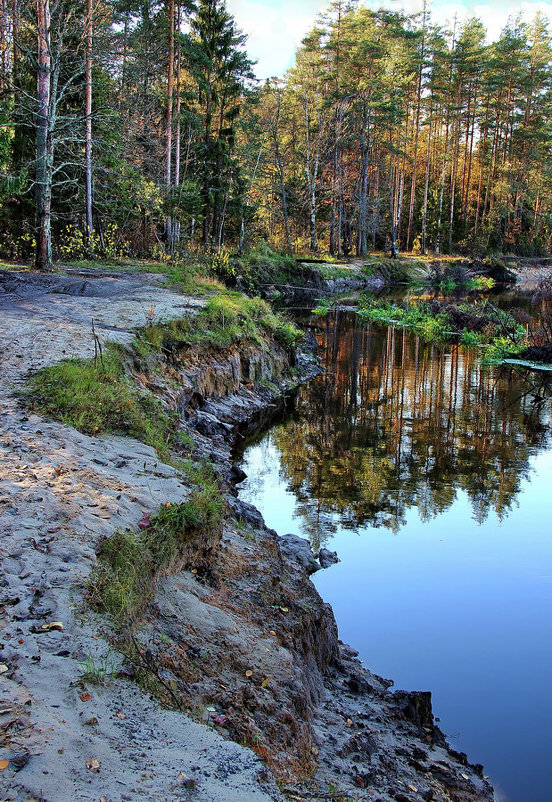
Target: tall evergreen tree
[221,69]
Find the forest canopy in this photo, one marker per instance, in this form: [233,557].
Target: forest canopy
[137,128]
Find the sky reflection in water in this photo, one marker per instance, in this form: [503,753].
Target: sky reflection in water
[431,477]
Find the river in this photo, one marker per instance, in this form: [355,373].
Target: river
[431,476]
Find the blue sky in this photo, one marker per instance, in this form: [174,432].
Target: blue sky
[276,27]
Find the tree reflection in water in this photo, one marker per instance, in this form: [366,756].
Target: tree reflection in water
[395,422]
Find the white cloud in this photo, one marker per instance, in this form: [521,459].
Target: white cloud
[275,28]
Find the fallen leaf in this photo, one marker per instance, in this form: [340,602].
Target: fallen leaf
[284,609]
[121,715]
[211,709]
[4,764]
[92,764]
[248,673]
[265,682]
[349,722]
[91,722]
[413,788]
[194,570]
[465,776]
[145,522]
[271,632]
[3,668]
[85,697]
[53,625]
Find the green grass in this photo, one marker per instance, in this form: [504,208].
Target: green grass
[413,316]
[129,561]
[228,318]
[499,338]
[323,307]
[99,396]
[97,672]
[14,266]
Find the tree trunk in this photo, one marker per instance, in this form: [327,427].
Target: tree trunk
[177,144]
[426,184]
[88,133]
[169,116]
[362,241]
[248,199]
[4,38]
[280,165]
[44,142]
[312,178]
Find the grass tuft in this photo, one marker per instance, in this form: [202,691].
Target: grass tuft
[228,318]
[130,561]
[98,396]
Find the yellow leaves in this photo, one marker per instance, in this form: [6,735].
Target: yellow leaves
[3,668]
[93,765]
[121,715]
[264,683]
[4,764]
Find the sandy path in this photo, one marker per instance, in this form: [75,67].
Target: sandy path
[60,491]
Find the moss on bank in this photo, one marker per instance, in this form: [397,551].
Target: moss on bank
[495,332]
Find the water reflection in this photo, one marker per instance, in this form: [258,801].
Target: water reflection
[405,436]
[395,423]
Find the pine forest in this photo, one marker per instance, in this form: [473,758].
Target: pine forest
[137,128]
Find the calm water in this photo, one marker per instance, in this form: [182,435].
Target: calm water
[432,478]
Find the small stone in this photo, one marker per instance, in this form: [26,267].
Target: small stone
[19,761]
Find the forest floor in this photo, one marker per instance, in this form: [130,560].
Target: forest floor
[73,726]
